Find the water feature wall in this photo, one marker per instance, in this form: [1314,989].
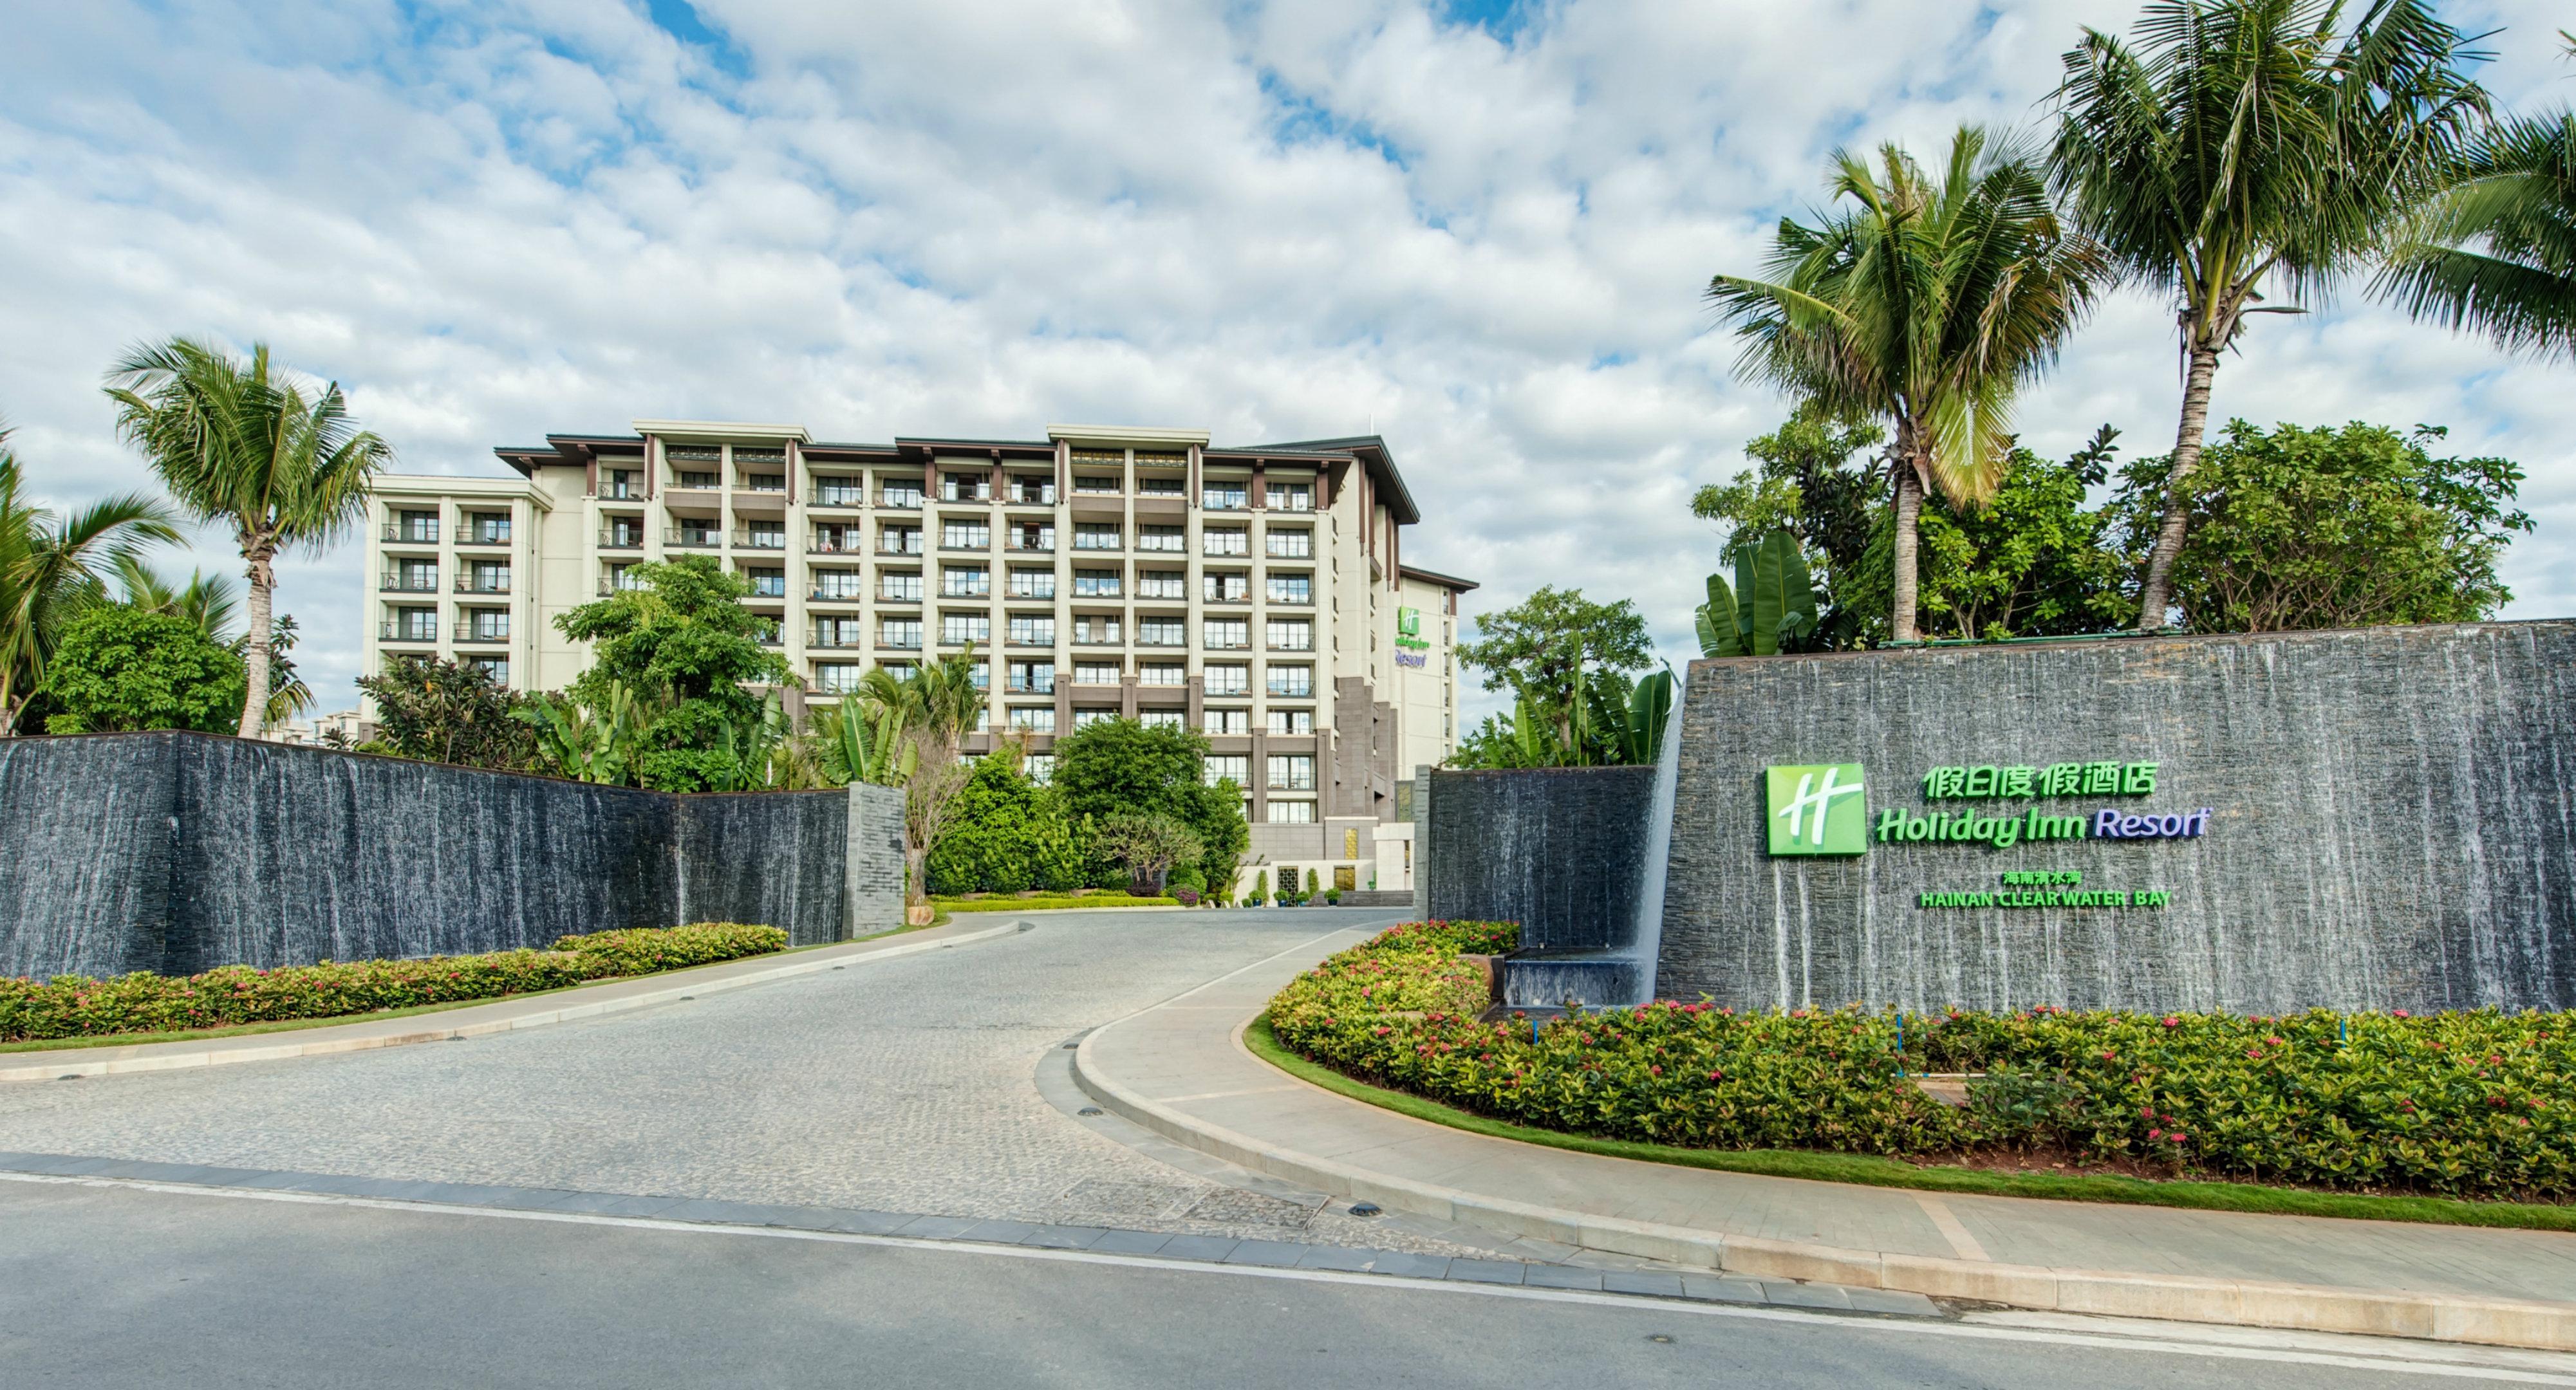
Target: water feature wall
[179,852]
[1562,851]
[2391,825]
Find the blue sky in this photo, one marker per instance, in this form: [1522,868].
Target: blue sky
[1477,228]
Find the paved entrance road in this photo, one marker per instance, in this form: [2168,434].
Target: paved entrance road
[903,1085]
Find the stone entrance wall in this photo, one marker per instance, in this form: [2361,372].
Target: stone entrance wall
[177,852]
[2392,824]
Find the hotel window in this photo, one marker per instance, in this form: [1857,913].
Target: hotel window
[839,540]
[487,577]
[1290,497]
[1163,719]
[1229,721]
[1169,539]
[768,582]
[1038,768]
[1091,629]
[1036,537]
[622,577]
[489,625]
[1032,677]
[624,532]
[1029,583]
[1095,583]
[1226,634]
[413,625]
[1229,680]
[903,634]
[981,677]
[839,492]
[1095,535]
[764,482]
[898,540]
[1084,716]
[1035,719]
[965,535]
[707,482]
[899,670]
[1030,490]
[1095,484]
[694,531]
[957,629]
[1226,767]
[1095,673]
[1225,588]
[965,581]
[1222,495]
[1162,487]
[1296,682]
[1291,588]
[1292,721]
[1162,632]
[695,465]
[1162,584]
[1225,540]
[1290,545]
[1292,813]
[1290,634]
[902,588]
[904,492]
[497,667]
[763,470]
[417,528]
[487,528]
[764,535]
[1026,630]
[965,487]
[840,632]
[1162,673]
[619,483]
[836,677]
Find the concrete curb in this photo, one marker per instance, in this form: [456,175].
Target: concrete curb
[2303,1307]
[447,1025]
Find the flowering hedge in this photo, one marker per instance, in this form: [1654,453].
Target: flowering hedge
[75,1006]
[2461,1104]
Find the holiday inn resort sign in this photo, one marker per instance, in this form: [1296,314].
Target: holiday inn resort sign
[1821,809]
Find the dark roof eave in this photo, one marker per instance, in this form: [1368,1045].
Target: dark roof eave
[1436,577]
[1400,498]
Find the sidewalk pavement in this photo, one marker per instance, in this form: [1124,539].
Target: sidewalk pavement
[499,1016]
[1180,1068]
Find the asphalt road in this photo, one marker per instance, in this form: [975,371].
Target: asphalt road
[114,1286]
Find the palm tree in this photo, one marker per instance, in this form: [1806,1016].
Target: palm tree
[2242,143]
[207,602]
[2496,252]
[50,566]
[239,444]
[1928,301]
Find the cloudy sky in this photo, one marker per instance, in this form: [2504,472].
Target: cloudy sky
[1479,229]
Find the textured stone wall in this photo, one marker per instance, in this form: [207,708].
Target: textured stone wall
[180,852]
[1559,850]
[2392,824]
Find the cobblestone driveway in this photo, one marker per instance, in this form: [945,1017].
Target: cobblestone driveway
[899,1086]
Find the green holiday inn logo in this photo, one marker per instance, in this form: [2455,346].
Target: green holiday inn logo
[1816,810]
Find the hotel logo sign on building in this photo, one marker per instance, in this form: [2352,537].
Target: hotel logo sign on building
[1410,647]
[1820,810]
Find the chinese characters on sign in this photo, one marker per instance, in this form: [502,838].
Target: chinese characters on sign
[2057,779]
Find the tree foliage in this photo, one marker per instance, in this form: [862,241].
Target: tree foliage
[2496,252]
[119,669]
[449,712]
[1147,844]
[683,648]
[1009,835]
[1121,767]
[51,568]
[1549,648]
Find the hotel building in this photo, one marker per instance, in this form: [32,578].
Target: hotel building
[1256,593]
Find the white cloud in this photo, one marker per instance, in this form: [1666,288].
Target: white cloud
[495,218]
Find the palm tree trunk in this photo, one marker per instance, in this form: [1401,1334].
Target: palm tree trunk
[2156,595]
[1909,510]
[263,583]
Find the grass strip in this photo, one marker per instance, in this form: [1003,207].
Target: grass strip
[1872,1171]
[1088,900]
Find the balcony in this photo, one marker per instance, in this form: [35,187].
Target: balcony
[692,538]
[827,543]
[484,535]
[769,639]
[898,644]
[1018,546]
[824,637]
[900,501]
[424,633]
[627,584]
[621,540]
[760,540]
[892,596]
[483,584]
[1291,692]
[481,633]
[838,497]
[422,583]
[844,596]
[412,533]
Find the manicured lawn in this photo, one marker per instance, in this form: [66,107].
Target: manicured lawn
[1888,1172]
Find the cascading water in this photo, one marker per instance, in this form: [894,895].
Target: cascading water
[1648,943]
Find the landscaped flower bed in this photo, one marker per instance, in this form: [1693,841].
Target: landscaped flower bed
[2460,1104]
[74,1006]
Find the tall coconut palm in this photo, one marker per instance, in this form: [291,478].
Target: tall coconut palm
[1928,300]
[2246,145]
[51,565]
[2496,252]
[239,444]
[209,603]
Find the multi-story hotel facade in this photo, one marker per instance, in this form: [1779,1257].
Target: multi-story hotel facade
[1256,593]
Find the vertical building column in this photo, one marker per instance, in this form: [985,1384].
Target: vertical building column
[1256,773]
[1260,489]
[1127,695]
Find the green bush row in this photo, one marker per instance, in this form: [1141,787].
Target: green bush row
[76,1006]
[1042,903]
[2461,1104]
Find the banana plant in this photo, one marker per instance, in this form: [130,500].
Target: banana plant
[590,744]
[1650,709]
[1771,609]
[857,749]
[757,751]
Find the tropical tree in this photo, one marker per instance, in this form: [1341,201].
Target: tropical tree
[209,603]
[449,712]
[2496,251]
[1549,648]
[51,566]
[240,444]
[600,740]
[854,744]
[1148,844]
[935,707]
[1925,300]
[117,669]
[684,646]
[2246,145]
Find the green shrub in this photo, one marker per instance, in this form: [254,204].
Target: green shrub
[1043,903]
[75,1006]
[2459,1104]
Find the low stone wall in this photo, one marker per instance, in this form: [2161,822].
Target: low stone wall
[178,852]
[2389,825]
